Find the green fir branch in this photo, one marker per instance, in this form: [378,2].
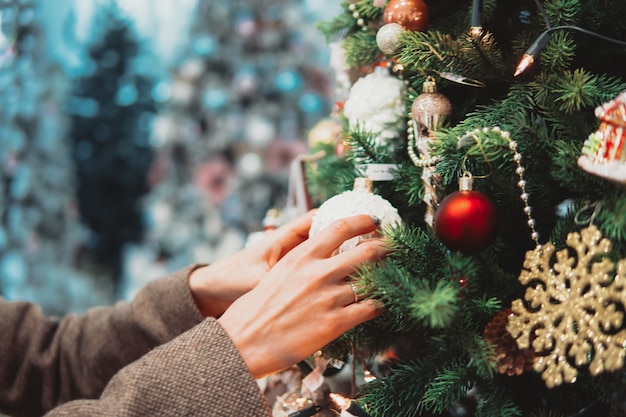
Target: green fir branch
[408,183]
[337,29]
[434,52]
[507,112]
[559,54]
[459,266]
[393,285]
[481,152]
[329,175]
[435,305]
[482,356]
[419,50]
[457,22]
[565,170]
[443,391]
[611,217]
[494,401]
[361,49]
[567,222]
[596,18]
[368,339]
[364,149]
[418,251]
[382,397]
[499,274]
[576,90]
[546,413]
[367,10]
[572,92]
[565,12]
[488,306]
[340,26]
[489,9]
[482,59]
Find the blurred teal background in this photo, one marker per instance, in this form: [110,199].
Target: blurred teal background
[137,137]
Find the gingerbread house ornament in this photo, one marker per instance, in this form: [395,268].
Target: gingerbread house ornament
[603,152]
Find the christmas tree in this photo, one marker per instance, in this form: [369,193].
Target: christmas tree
[495,129]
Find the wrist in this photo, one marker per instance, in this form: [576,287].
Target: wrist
[205,290]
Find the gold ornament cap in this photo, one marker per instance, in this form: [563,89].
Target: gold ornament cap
[365,184]
[466,182]
[429,86]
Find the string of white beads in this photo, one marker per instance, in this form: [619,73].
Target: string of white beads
[359,20]
[521,184]
[419,161]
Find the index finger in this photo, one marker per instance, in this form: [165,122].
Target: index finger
[291,234]
[326,241]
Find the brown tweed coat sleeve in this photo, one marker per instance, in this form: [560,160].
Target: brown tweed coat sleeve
[45,362]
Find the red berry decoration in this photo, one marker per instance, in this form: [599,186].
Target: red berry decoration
[341,147]
[463,282]
[466,220]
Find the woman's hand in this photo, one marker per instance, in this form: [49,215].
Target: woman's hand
[216,286]
[305,301]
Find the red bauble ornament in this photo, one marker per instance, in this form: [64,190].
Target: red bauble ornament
[466,220]
[410,14]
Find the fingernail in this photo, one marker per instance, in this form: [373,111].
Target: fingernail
[376,220]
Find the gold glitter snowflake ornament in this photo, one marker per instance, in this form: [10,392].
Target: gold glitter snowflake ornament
[573,310]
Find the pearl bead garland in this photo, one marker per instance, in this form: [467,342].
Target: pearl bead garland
[427,163]
[521,184]
[419,161]
[359,20]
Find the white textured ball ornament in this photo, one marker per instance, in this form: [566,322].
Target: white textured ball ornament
[360,200]
[388,38]
[377,103]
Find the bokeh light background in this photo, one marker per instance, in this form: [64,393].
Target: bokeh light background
[138,137]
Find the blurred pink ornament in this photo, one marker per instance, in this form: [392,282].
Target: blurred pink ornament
[279,154]
[213,179]
[246,26]
[157,170]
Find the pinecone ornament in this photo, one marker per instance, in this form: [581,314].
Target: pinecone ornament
[511,359]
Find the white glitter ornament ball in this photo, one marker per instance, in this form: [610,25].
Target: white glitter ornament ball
[387,38]
[360,200]
[376,103]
